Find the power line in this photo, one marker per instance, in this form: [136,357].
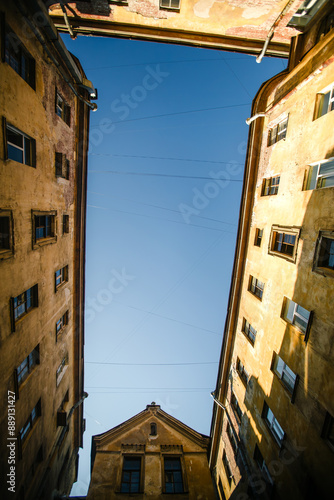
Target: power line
[170,319]
[152,388]
[159,175]
[151,364]
[164,208]
[161,218]
[166,158]
[179,113]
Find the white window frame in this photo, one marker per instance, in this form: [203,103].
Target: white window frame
[324,271]
[296,314]
[61,370]
[31,162]
[314,175]
[169,7]
[273,424]
[284,373]
[321,95]
[284,230]
[278,131]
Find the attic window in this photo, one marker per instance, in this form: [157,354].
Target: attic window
[153,430]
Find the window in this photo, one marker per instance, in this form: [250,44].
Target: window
[296,315]
[320,175]
[61,277]
[6,234]
[62,166]
[284,373]
[18,57]
[170,4]
[278,132]
[173,475]
[258,237]
[270,186]
[131,475]
[324,253]
[242,372]
[61,369]
[27,366]
[30,423]
[249,331]
[19,146]
[328,430]
[231,436]
[324,102]
[227,468]
[236,407]
[262,465]
[44,228]
[153,429]
[283,242]
[60,324]
[66,224]
[63,109]
[256,287]
[23,303]
[274,427]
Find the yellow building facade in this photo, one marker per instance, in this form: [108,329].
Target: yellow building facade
[273,422]
[237,25]
[45,104]
[151,455]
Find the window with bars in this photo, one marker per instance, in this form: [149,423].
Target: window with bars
[131,474]
[30,423]
[320,175]
[231,437]
[249,331]
[170,4]
[324,254]
[61,277]
[26,367]
[258,237]
[63,110]
[278,132]
[270,186]
[173,475]
[236,407]
[256,287]
[297,315]
[62,166]
[23,303]
[324,102]
[61,323]
[242,372]
[227,468]
[284,373]
[19,146]
[17,56]
[273,425]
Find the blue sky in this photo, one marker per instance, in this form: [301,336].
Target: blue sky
[166,159]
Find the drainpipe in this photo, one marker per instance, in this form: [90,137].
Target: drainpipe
[53,37]
[272,30]
[258,115]
[73,35]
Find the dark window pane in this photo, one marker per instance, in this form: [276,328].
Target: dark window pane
[4,233]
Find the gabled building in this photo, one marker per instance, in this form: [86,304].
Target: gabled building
[150,455]
[273,421]
[45,105]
